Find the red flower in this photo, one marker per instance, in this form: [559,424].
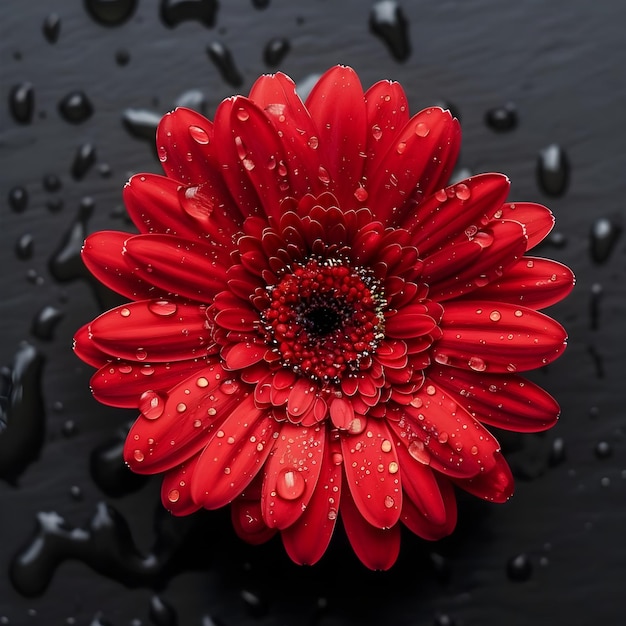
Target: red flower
[317,327]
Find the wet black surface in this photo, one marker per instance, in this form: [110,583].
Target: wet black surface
[81,543]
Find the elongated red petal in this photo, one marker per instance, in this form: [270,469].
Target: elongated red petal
[248,521]
[336,105]
[152,330]
[496,485]
[377,548]
[307,539]
[497,338]
[121,383]
[503,400]
[176,488]
[531,282]
[174,426]
[86,350]
[537,219]
[291,474]
[371,466]
[102,255]
[183,268]
[234,455]
[423,155]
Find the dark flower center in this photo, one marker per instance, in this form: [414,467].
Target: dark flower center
[325,318]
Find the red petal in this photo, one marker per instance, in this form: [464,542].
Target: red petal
[457,270]
[422,156]
[248,521]
[503,400]
[86,350]
[387,111]
[184,141]
[537,219]
[371,466]
[102,255]
[336,105]
[152,330]
[307,539]
[377,548]
[121,383]
[176,425]
[176,488]
[532,282]
[153,204]
[276,96]
[242,355]
[465,206]
[185,268]
[410,321]
[497,337]
[234,455]
[497,485]
[415,520]
[439,432]
[291,474]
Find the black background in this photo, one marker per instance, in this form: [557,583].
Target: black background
[562,65]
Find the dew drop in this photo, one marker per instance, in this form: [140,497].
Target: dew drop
[141,354]
[223,60]
[337,458]
[46,321]
[22,102]
[441,195]
[557,452]
[361,194]
[519,568]
[138,456]
[483,239]
[173,495]
[518,313]
[151,404]
[422,130]
[401,147]
[604,234]
[386,445]
[275,51]
[173,12]
[313,142]
[323,175]
[242,114]
[52,27]
[110,12]
[389,502]
[603,450]
[495,316]
[477,364]
[388,22]
[377,133]
[181,407]
[418,451]
[290,483]
[18,199]
[553,170]
[142,124]
[199,135]
[502,118]
[393,467]
[84,159]
[229,387]
[75,107]
[202,382]
[163,308]
[24,247]
[462,191]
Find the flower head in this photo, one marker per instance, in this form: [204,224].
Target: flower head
[318,328]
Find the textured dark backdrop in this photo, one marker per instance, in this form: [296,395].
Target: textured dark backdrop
[555,552]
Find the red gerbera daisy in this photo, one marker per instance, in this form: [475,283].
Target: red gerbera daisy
[317,327]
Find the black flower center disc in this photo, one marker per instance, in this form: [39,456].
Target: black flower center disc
[325,318]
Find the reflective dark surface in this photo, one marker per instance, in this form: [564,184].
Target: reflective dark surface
[83,542]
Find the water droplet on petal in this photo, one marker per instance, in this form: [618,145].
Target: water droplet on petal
[389,502]
[151,404]
[477,364]
[125,312]
[199,135]
[462,191]
[138,456]
[242,114]
[323,175]
[141,354]
[418,451]
[361,194]
[401,147]
[229,387]
[422,129]
[495,316]
[181,407]
[377,133]
[441,195]
[173,495]
[164,308]
[290,483]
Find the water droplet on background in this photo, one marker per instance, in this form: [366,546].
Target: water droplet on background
[110,12]
[553,170]
[557,452]
[22,102]
[519,568]
[161,613]
[141,123]
[51,27]
[173,12]
[502,118]
[192,99]
[84,159]
[603,236]
[603,450]
[45,322]
[224,62]
[275,51]
[254,603]
[51,182]
[24,247]
[388,22]
[75,107]
[18,199]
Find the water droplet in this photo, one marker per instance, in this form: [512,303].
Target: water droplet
[51,182]
[45,322]
[51,27]
[122,57]
[22,102]
[502,118]
[462,191]
[519,568]
[141,354]
[111,12]
[323,175]
[24,247]
[125,312]
[75,107]
[337,458]
[18,199]
[361,194]
[557,452]
[495,316]
[242,114]
[290,483]
[401,147]
[483,239]
[202,382]
[313,142]
[161,613]
[138,456]
[163,308]
[151,404]
[173,495]
[256,606]
[553,170]
[173,12]
[141,123]
[419,452]
[477,364]
[386,445]
[275,51]
[388,22]
[76,492]
[604,234]
[389,502]
[441,195]
[603,450]
[223,60]
[229,387]
[181,407]
[422,130]
[199,135]
[84,159]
